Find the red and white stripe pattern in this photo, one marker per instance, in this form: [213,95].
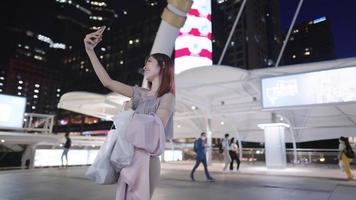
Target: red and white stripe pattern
[193,46]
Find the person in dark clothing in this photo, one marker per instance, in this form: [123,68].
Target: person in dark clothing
[233,154]
[199,148]
[66,147]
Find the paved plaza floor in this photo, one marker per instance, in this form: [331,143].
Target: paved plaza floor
[253,182]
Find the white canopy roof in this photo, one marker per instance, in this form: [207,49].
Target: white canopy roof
[229,99]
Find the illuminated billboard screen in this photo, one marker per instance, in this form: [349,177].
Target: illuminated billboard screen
[313,88]
[193,46]
[52,157]
[12,110]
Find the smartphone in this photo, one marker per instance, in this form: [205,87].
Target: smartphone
[102,28]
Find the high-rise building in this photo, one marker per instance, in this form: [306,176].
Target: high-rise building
[255,41]
[30,63]
[310,41]
[45,44]
[126,43]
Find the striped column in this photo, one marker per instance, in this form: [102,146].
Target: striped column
[193,46]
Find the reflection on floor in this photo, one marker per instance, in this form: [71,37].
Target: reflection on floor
[252,183]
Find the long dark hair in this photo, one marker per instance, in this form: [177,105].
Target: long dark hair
[232,140]
[346,141]
[166,74]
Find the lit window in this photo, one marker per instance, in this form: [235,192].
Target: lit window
[294,56]
[2,78]
[1,84]
[58,90]
[20,82]
[307,53]
[33,107]
[19,93]
[121,62]
[0,90]
[37,85]
[125,12]
[38,57]
[35,96]
[130,42]
[100,4]
[222,123]
[19,87]
[103,49]
[101,57]
[36,91]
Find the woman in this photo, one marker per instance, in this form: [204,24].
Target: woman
[233,155]
[158,99]
[344,145]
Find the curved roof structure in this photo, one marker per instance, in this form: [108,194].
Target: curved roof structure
[229,99]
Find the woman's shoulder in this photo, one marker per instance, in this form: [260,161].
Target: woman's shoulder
[168,95]
[141,89]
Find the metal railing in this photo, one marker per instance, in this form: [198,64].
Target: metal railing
[42,123]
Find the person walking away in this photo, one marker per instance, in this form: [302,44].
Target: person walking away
[226,148]
[66,147]
[345,156]
[233,154]
[199,148]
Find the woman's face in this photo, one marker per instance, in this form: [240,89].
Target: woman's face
[151,69]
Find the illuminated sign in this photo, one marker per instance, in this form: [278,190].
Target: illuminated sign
[322,87]
[321,19]
[12,110]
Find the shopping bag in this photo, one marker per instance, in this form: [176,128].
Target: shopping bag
[123,151]
[102,171]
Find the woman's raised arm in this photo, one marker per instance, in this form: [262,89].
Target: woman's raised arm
[90,42]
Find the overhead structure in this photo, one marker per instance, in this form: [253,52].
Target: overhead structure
[231,99]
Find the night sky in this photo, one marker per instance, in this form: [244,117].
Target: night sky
[342,14]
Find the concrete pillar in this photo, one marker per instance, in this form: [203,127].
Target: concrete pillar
[172,142]
[238,138]
[209,141]
[275,148]
[28,155]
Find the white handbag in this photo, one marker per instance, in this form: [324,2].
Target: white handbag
[114,154]
[102,171]
[123,151]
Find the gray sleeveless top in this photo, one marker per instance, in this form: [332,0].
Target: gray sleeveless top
[145,104]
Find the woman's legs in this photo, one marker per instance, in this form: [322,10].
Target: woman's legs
[346,162]
[155,172]
[227,159]
[232,160]
[238,162]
